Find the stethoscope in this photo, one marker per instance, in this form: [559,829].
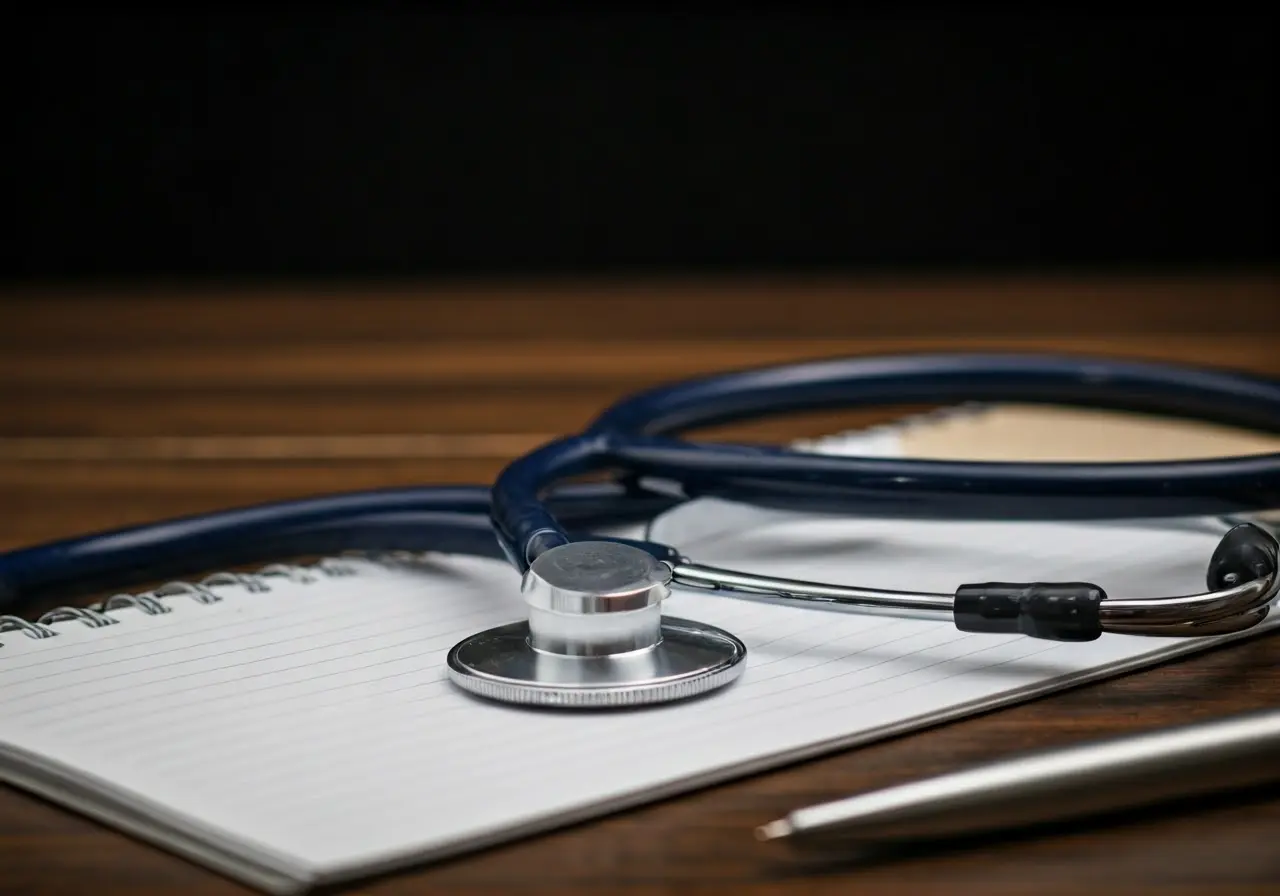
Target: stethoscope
[595,634]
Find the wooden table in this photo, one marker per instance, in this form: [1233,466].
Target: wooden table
[125,405]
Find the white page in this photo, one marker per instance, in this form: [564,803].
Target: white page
[312,730]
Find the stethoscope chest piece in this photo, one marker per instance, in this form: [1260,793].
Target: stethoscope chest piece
[596,637]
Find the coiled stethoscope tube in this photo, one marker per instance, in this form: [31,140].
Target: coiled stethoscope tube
[595,601]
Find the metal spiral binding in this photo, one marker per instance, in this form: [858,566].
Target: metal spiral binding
[152,603]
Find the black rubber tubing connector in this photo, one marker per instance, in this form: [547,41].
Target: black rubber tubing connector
[1070,611]
[1054,611]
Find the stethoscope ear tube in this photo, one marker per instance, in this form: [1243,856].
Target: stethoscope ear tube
[1073,611]
[1242,578]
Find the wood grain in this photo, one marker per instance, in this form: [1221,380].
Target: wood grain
[127,404]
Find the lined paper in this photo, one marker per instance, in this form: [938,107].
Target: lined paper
[309,734]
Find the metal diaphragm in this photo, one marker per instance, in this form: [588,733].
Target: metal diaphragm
[596,637]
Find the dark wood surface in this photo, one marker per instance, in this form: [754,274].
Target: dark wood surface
[129,404]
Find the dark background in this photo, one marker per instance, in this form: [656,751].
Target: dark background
[387,140]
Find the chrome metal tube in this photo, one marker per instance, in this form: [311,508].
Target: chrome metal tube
[1226,626]
[1194,612]
[815,595]
[1211,613]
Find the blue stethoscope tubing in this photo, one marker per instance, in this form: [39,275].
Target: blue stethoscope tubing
[636,436]
[530,509]
[444,519]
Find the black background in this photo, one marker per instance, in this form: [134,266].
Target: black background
[401,140]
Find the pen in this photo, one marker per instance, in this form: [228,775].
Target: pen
[1055,785]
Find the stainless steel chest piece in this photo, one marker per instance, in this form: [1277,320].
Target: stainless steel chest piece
[596,637]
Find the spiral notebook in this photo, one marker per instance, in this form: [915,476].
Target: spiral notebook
[294,727]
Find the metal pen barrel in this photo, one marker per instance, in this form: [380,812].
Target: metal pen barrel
[1057,785]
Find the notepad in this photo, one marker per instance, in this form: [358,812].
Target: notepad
[299,729]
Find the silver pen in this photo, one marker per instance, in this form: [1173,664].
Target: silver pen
[1056,785]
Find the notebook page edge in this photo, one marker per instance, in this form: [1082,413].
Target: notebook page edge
[250,865]
[134,814]
[687,785]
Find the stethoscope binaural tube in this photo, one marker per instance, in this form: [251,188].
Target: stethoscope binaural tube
[636,435]
[446,519]
[595,634]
